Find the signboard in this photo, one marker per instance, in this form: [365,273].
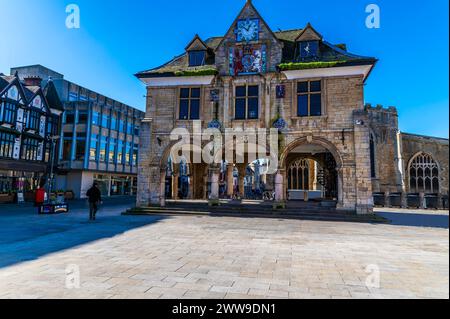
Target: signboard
[20,198]
[214,95]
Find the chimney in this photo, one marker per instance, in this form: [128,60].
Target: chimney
[33,81]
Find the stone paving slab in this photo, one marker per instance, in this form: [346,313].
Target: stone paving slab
[189,257]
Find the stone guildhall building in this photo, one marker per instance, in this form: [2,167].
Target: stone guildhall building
[332,146]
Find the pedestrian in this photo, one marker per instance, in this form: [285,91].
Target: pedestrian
[95,197]
[39,198]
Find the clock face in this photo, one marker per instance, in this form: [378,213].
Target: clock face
[247,30]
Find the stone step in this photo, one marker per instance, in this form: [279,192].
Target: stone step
[280,214]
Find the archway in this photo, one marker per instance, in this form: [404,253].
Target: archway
[312,169]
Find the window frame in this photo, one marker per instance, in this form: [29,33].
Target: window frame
[309,93]
[197,51]
[189,99]
[246,97]
[7,142]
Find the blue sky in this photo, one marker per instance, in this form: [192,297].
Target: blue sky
[120,38]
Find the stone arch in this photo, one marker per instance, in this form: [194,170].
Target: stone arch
[315,140]
[428,162]
[328,146]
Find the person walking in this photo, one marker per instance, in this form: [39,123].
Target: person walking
[95,198]
[39,198]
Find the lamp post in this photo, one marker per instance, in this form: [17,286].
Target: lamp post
[51,139]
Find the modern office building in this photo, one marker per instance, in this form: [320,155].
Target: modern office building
[29,119]
[99,138]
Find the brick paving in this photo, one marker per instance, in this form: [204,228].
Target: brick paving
[211,257]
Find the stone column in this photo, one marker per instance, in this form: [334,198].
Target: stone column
[242,169]
[214,196]
[230,180]
[364,195]
[175,179]
[279,191]
[162,188]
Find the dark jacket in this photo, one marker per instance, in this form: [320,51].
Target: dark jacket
[94,195]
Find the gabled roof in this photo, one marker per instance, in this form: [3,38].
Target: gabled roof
[248,5]
[179,65]
[51,94]
[309,33]
[28,93]
[196,44]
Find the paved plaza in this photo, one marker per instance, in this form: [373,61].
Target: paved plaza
[220,257]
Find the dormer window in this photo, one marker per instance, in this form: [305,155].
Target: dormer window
[197,58]
[309,50]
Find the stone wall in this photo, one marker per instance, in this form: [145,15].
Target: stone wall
[438,148]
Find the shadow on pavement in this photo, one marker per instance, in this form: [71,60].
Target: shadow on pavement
[26,236]
[416,219]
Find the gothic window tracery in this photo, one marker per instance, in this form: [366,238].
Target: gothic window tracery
[424,174]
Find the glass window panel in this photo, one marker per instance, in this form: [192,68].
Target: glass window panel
[253,90]
[195,110]
[196,58]
[302,101]
[240,91]
[316,86]
[302,87]
[184,93]
[195,93]
[184,109]
[240,109]
[253,108]
[316,104]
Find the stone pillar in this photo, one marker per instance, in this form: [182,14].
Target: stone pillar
[279,191]
[214,196]
[162,188]
[143,196]
[175,178]
[399,170]
[422,202]
[241,169]
[230,180]
[364,194]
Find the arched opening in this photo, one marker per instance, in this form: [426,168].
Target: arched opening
[177,185]
[423,174]
[312,171]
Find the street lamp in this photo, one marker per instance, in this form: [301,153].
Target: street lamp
[53,140]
